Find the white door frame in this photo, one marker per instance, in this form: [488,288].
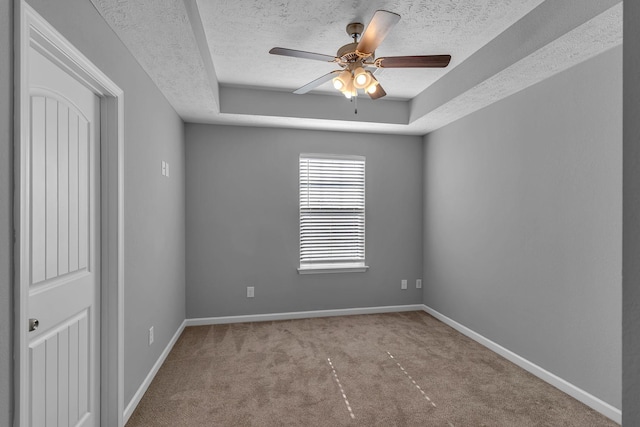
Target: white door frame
[32,30]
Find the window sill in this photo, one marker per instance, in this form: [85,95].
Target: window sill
[333,268]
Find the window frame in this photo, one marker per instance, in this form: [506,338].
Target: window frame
[336,266]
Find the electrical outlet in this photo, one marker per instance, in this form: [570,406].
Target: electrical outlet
[418,283]
[167,169]
[164,168]
[151,335]
[404,284]
[250,291]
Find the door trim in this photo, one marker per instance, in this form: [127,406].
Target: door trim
[33,30]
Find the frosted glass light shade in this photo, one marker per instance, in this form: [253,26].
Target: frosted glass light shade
[372,86]
[340,82]
[362,78]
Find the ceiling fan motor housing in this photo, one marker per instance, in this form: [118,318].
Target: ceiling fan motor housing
[347,53]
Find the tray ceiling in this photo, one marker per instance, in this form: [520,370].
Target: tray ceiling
[210,57]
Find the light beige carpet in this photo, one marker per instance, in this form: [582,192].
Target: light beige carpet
[400,369]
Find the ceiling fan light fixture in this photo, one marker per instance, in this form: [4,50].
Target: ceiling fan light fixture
[362,78]
[348,88]
[372,86]
[342,81]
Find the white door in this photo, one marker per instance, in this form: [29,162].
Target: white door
[64,248]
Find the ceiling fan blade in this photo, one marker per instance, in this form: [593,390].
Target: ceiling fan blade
[379,93]
[317,82]
[380,25]
[421,61]
[302,54]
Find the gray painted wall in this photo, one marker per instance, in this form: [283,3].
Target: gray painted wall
[631,219]
[154,205]
[6,226]
[242,221]
[523,232]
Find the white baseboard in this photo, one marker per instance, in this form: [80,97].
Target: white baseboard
[302,315]
[577,393]
[135,400]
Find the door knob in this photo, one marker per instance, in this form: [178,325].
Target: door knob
[33,324]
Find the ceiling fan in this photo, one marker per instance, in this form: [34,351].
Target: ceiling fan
[357,59]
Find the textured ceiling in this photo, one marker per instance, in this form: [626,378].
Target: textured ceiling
[594,36]
[207,56]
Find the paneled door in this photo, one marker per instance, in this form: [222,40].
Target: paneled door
[64,245]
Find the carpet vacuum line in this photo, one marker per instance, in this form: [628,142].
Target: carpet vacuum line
[344,396]
[412,380]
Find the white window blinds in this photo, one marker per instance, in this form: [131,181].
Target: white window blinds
[332,211]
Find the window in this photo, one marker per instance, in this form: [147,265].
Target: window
[332,220]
